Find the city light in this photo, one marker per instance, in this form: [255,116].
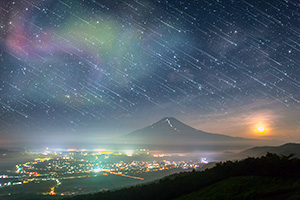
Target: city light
[97,170]
[58,166]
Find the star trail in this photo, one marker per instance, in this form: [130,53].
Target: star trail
[99,68]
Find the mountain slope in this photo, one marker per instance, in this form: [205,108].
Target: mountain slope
[286,149]
[248,187]
[171,131]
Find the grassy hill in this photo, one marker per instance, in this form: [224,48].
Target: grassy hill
[252,178]
[248,187]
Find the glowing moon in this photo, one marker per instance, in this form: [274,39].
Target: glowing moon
[261,129]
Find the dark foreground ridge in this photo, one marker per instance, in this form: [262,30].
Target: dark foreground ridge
[268,177]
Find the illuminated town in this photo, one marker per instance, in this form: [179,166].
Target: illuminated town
[55,167]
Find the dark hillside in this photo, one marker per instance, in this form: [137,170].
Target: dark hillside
[285,168]
[248,187]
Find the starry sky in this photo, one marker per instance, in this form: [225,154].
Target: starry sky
[90,69]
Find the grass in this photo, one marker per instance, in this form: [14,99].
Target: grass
[248,187]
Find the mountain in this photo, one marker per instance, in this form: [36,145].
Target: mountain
[170,131]
[286,149]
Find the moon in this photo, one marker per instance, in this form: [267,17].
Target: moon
[261,129]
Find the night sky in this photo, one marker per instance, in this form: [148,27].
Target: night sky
[88,69]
